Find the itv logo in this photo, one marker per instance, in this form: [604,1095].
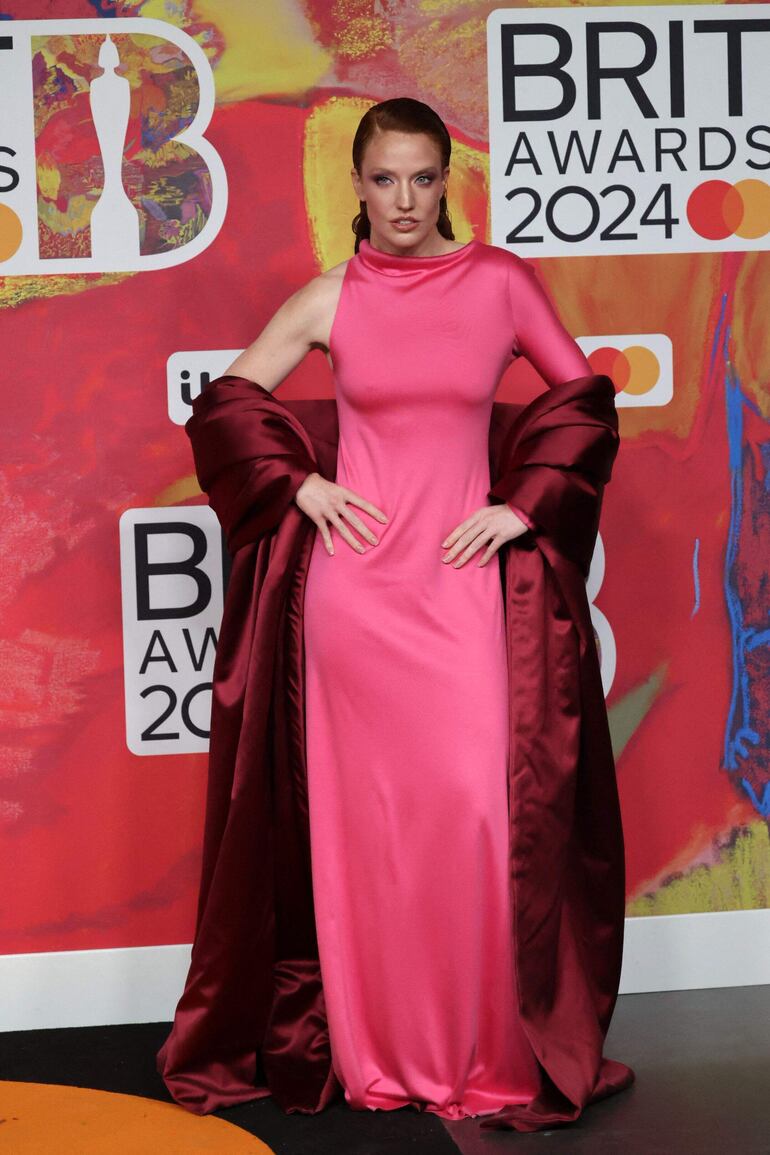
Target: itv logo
[104,165]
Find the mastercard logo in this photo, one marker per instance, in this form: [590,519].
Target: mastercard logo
[634,369]
[717,209]
[10,232]
[641,366]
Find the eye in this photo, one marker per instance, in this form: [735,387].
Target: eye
[423,176]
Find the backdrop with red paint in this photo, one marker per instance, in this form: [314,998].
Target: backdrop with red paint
[120,294]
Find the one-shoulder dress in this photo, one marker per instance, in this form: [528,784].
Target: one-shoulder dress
[406,688]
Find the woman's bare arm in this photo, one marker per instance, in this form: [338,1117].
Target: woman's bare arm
[301,323]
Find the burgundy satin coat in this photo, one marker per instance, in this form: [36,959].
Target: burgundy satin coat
[251,1020]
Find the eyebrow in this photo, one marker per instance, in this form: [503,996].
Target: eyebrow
[417,172]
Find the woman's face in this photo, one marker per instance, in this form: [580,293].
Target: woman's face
[401,177]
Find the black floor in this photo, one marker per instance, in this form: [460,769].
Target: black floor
[702,1063]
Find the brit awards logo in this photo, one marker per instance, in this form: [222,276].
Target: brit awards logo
[629,130]
[173,576]
[104,166]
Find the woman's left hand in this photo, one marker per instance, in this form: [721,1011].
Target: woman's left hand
[490,526]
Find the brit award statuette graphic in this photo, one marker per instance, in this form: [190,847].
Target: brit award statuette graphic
[114,221]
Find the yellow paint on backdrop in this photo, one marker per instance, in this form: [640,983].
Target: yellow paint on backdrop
[270,47]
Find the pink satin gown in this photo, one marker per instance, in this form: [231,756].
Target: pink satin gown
[407,688]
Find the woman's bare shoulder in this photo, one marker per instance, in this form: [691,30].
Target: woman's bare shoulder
[337,271]
[315,296]
[329,276]
[329,281]
[317,301]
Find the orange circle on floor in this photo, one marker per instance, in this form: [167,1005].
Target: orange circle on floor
[38,1118]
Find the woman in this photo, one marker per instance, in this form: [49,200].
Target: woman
[406,691]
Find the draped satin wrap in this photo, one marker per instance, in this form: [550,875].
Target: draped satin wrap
[251,1019]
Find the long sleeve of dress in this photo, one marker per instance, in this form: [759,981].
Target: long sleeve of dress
[540,336]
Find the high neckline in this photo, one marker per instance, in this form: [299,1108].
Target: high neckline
[395,263]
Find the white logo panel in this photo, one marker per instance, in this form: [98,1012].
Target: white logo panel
[172,591]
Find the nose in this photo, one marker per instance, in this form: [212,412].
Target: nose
[404,198]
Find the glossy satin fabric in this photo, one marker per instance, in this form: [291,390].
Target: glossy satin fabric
[252,1018]
[406,697]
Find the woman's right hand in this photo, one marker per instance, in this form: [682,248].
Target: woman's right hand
[324,501]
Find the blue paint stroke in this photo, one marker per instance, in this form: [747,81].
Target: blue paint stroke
[742,737]
[696,577]
[719,328]
[107,8]
[762,804]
